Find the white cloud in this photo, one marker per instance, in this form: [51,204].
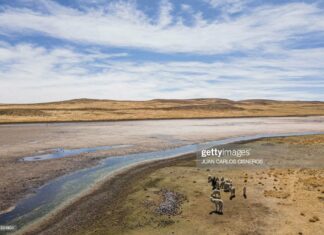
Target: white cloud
[166,9]
[228,6]
[121,24]
[268,69]
[30,73]
[186,8]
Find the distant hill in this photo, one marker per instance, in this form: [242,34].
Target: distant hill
[104,110]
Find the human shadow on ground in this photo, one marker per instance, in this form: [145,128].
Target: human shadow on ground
[215,212]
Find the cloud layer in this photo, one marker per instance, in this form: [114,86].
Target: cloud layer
[120,51]
[122,24]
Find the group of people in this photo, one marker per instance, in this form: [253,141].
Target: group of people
[227,186]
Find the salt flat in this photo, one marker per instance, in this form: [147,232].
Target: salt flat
[20,140]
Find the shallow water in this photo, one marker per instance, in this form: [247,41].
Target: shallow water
[54,193]
[61,152]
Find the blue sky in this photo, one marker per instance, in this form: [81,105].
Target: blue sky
[146,49]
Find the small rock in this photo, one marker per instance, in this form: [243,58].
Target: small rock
[314,219]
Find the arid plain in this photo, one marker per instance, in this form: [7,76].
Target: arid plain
[22,178]
[283,198]
[107,110]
